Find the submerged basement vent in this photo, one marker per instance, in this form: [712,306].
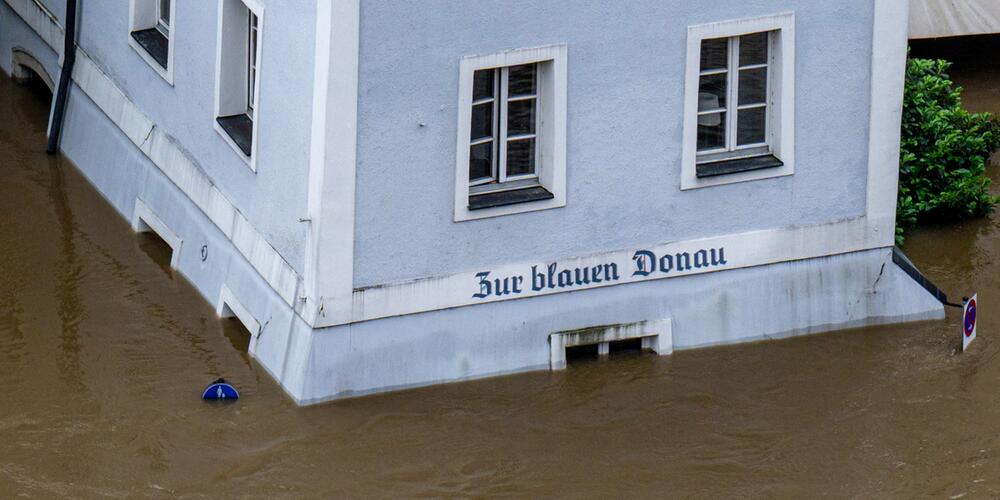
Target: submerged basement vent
[656,336]
[145,221]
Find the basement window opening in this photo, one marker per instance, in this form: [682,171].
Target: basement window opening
[629,339]
[29,78]
[236,332]
[627,347]
[156,248]
[580,353]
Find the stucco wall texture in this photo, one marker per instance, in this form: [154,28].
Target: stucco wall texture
[625,98]
[274,198]
[15,34]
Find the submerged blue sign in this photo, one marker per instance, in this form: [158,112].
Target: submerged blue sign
[553,277]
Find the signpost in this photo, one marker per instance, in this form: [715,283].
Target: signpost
[969,322]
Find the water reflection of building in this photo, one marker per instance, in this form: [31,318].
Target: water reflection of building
[389,194]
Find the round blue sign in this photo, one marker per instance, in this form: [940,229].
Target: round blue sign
[220,389]
[970,318]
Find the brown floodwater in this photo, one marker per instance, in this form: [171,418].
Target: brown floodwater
[104,352]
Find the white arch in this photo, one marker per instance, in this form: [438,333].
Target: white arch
[23,65]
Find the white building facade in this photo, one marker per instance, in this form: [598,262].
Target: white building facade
[397,194]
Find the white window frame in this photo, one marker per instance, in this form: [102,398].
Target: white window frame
[161,26]
[145,14]
[550,128]
[224,104]
[781,97]
[253,63]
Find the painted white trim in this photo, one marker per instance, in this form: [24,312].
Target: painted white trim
[230,307]
[144,221]
[168,156]
[744,250]
[889,49]
[781,101]
[333,162]
[134,24]
[42,20]
[657,336]
[552,125]
[220,40]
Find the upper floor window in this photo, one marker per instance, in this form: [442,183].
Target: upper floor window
[251,63]
[238,75]
[163,21]
[512,133]
[733,97]
[739,101]
[150,33]
[503,153]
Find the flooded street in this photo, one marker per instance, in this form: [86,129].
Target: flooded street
[104,352]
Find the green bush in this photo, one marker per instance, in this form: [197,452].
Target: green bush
[945,149]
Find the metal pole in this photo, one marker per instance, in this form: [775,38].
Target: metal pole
[65,77]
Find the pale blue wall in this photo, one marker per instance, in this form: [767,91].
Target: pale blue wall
[16,34]
[626,71]
[274,198]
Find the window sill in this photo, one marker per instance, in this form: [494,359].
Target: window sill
[239,128]
[726,167]
[155,44]
[507,198]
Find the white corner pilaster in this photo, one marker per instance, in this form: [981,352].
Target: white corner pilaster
[329,269]
[889,44]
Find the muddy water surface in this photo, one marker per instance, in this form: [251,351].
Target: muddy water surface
[103,351]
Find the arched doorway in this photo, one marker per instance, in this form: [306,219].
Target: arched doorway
[25,69]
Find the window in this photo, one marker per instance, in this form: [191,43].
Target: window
[732,97]
[238,75]
[503,153]
[163,21]
[150,34]
[739,101]
[511,154]
[251,63]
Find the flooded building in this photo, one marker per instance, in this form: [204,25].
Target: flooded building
[396,194]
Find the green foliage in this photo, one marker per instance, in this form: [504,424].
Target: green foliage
[945,149]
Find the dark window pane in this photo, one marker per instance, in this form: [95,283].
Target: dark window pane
[714,54]
[482,86]
[711,131]
[522,80]
[481,161]
[753,86]
[521,117]
[753,49]
[165,11]
[751,127]
[482,121]
[521,157]
[712,92]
